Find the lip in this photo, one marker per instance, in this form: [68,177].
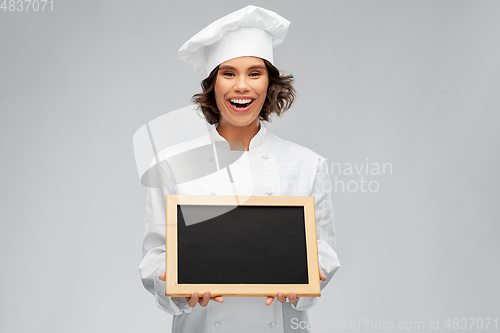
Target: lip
[240,110]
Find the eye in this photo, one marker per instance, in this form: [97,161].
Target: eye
[255,74]
[228,74]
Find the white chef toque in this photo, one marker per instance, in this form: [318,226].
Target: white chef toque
[250,31]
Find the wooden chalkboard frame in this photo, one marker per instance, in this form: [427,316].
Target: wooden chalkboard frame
[173,288]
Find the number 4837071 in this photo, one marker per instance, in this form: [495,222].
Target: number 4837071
[27,5]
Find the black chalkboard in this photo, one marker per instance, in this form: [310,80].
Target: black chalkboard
[231,246]
[248,244]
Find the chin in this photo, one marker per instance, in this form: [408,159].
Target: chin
[241,122]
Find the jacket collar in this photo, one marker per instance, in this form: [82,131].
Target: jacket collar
[257,141]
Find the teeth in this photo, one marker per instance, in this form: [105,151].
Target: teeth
[240,101]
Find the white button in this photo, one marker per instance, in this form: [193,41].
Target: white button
[269,192]
[212,193]
[210,158]
[272,324]
[217,324]
[265,157]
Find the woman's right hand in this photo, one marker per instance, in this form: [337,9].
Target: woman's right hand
[195,297]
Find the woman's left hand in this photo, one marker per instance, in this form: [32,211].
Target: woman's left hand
[291,296]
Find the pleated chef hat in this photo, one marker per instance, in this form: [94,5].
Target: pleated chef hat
[250,31]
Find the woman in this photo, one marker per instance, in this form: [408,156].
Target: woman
[243,89]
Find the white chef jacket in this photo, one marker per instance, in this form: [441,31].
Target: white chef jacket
[272,166]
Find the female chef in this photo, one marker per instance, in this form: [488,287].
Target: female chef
[242,90]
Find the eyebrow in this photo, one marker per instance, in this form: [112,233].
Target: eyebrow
[225,67]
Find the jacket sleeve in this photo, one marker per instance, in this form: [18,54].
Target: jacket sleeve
[328,260]
[153,262]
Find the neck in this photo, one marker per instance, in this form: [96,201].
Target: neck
[241,134]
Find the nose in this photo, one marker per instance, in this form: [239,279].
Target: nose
[241,84]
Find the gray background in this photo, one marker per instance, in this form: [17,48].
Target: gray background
[411,83]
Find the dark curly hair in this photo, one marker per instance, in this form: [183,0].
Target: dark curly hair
[280,95]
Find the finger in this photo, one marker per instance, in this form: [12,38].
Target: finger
[269,300]
[206,298]
[163,276]
[218,299]
[281,297]
[292,298]
[194,299]
[322,275]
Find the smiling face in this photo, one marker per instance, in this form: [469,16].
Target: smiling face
[240,91]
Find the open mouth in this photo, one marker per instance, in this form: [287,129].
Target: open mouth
[240,103]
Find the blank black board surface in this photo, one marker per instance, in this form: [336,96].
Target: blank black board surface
[241,246]
[248,244]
